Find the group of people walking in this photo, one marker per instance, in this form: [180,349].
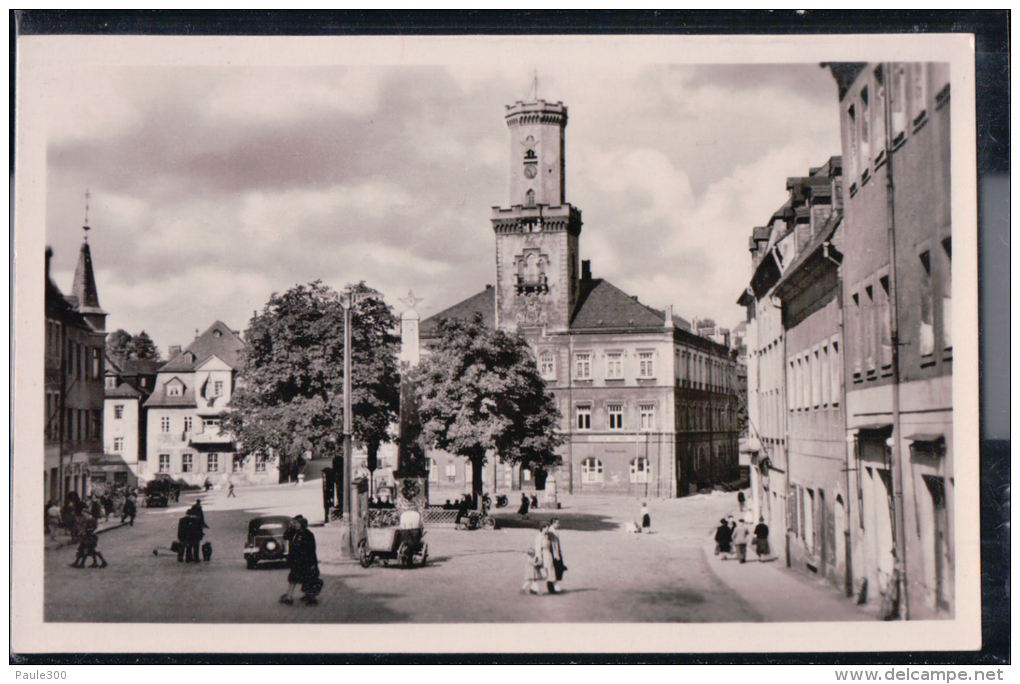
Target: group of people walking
[734,536]
[190,531]
[545,560]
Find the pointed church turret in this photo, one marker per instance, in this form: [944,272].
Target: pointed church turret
[84,289]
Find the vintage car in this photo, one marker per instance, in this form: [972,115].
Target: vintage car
[158,492]
[266,541]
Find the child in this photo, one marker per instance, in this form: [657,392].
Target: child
[646,518]
[532,573]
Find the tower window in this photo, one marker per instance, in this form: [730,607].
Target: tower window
[529,198]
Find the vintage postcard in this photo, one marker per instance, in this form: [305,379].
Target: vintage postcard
[514,344]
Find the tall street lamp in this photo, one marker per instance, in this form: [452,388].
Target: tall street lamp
[349,298]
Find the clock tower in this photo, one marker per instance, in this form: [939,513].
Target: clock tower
[537,235]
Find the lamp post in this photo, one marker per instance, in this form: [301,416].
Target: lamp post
[347,300]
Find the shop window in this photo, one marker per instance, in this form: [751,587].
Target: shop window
[591,470]
[639,470]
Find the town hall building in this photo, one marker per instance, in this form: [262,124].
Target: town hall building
[649,407]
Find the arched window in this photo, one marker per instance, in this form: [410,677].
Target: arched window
[529,198]
[591,470]
[639,470]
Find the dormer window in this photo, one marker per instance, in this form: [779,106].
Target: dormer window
[174,388]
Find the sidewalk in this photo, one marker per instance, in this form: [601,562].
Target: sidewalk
[774,590]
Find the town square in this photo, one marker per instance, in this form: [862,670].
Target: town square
[633,342]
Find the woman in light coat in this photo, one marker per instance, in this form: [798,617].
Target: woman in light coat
[543,550]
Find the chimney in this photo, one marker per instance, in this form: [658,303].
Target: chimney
[173,350]
[668,319]
[586,269]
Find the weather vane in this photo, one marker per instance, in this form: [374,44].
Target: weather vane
[85,227]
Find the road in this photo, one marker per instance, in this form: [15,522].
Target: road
[667,576]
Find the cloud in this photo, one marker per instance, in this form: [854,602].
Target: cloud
[213,187]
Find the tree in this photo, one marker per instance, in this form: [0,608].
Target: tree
[289,395]
[142,347]
[118,346]
[480,391]
[122,345]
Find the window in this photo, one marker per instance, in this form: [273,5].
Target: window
[926,334]
[869,329]
[646,364]
[884,333]
[582,366]
[96,368]
[865,153]
[111,382]
[897,102]
[816,378]
[432,470]
[261,461]
[584,418]
[236,463]
[878,117]
[212,463]
[918,92]
[791,393]
[118,445]
[118,411]
[836,370]
[164,463]
[164,424]
[187,463]
[211,424]
[187,423]
[525,475]
[825,373]
[451,471]
[547,364]
[857,324]
[218,388]
[173,389]
[529,198]
[947,295]
[851,131]
[638,470]
[615,416]
[591,470]
[614,365]
[647,417]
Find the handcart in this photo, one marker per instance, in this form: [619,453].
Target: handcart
[393,543]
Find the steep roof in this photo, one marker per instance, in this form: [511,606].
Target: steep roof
[161,398]
[218,340]
[140,367]
[123,391]
[84,289]
[600,304]
[483,302]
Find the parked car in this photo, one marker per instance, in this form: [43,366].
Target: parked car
[158,492]
[266,540]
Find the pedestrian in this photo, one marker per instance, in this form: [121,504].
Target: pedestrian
[543,551]
[230,490]
[95,509]
[723,538]
[207,484]
[79,534]
[559,567]
[194,539]
[761,539]
[732,523]
[303,562]
[740,538]
[523,510]
[532,573]
[196,510]
[646,518]
[107,502]
[92,543]
[534,501]
[183,534]
[741,500]
[129,511]
[52,519]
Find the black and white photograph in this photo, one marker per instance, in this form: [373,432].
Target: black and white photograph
[434,344]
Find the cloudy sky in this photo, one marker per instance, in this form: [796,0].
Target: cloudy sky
[213,187]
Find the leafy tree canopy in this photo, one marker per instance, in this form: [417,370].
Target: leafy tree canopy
[480,391]
[122,345]
[289,394]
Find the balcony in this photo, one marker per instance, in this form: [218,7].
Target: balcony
[211,437]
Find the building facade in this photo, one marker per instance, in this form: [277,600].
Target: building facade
[128,384]
[897,295]
[183,416]
[75,343]
[649,408]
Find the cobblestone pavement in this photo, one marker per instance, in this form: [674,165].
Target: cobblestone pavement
[669,575]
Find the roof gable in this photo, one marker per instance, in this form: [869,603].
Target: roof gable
[218,340]
[213,363]
[483,302]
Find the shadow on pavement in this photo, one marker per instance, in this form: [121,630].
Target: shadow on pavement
[575,522]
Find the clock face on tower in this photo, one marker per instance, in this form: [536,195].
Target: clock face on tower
[530,170]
